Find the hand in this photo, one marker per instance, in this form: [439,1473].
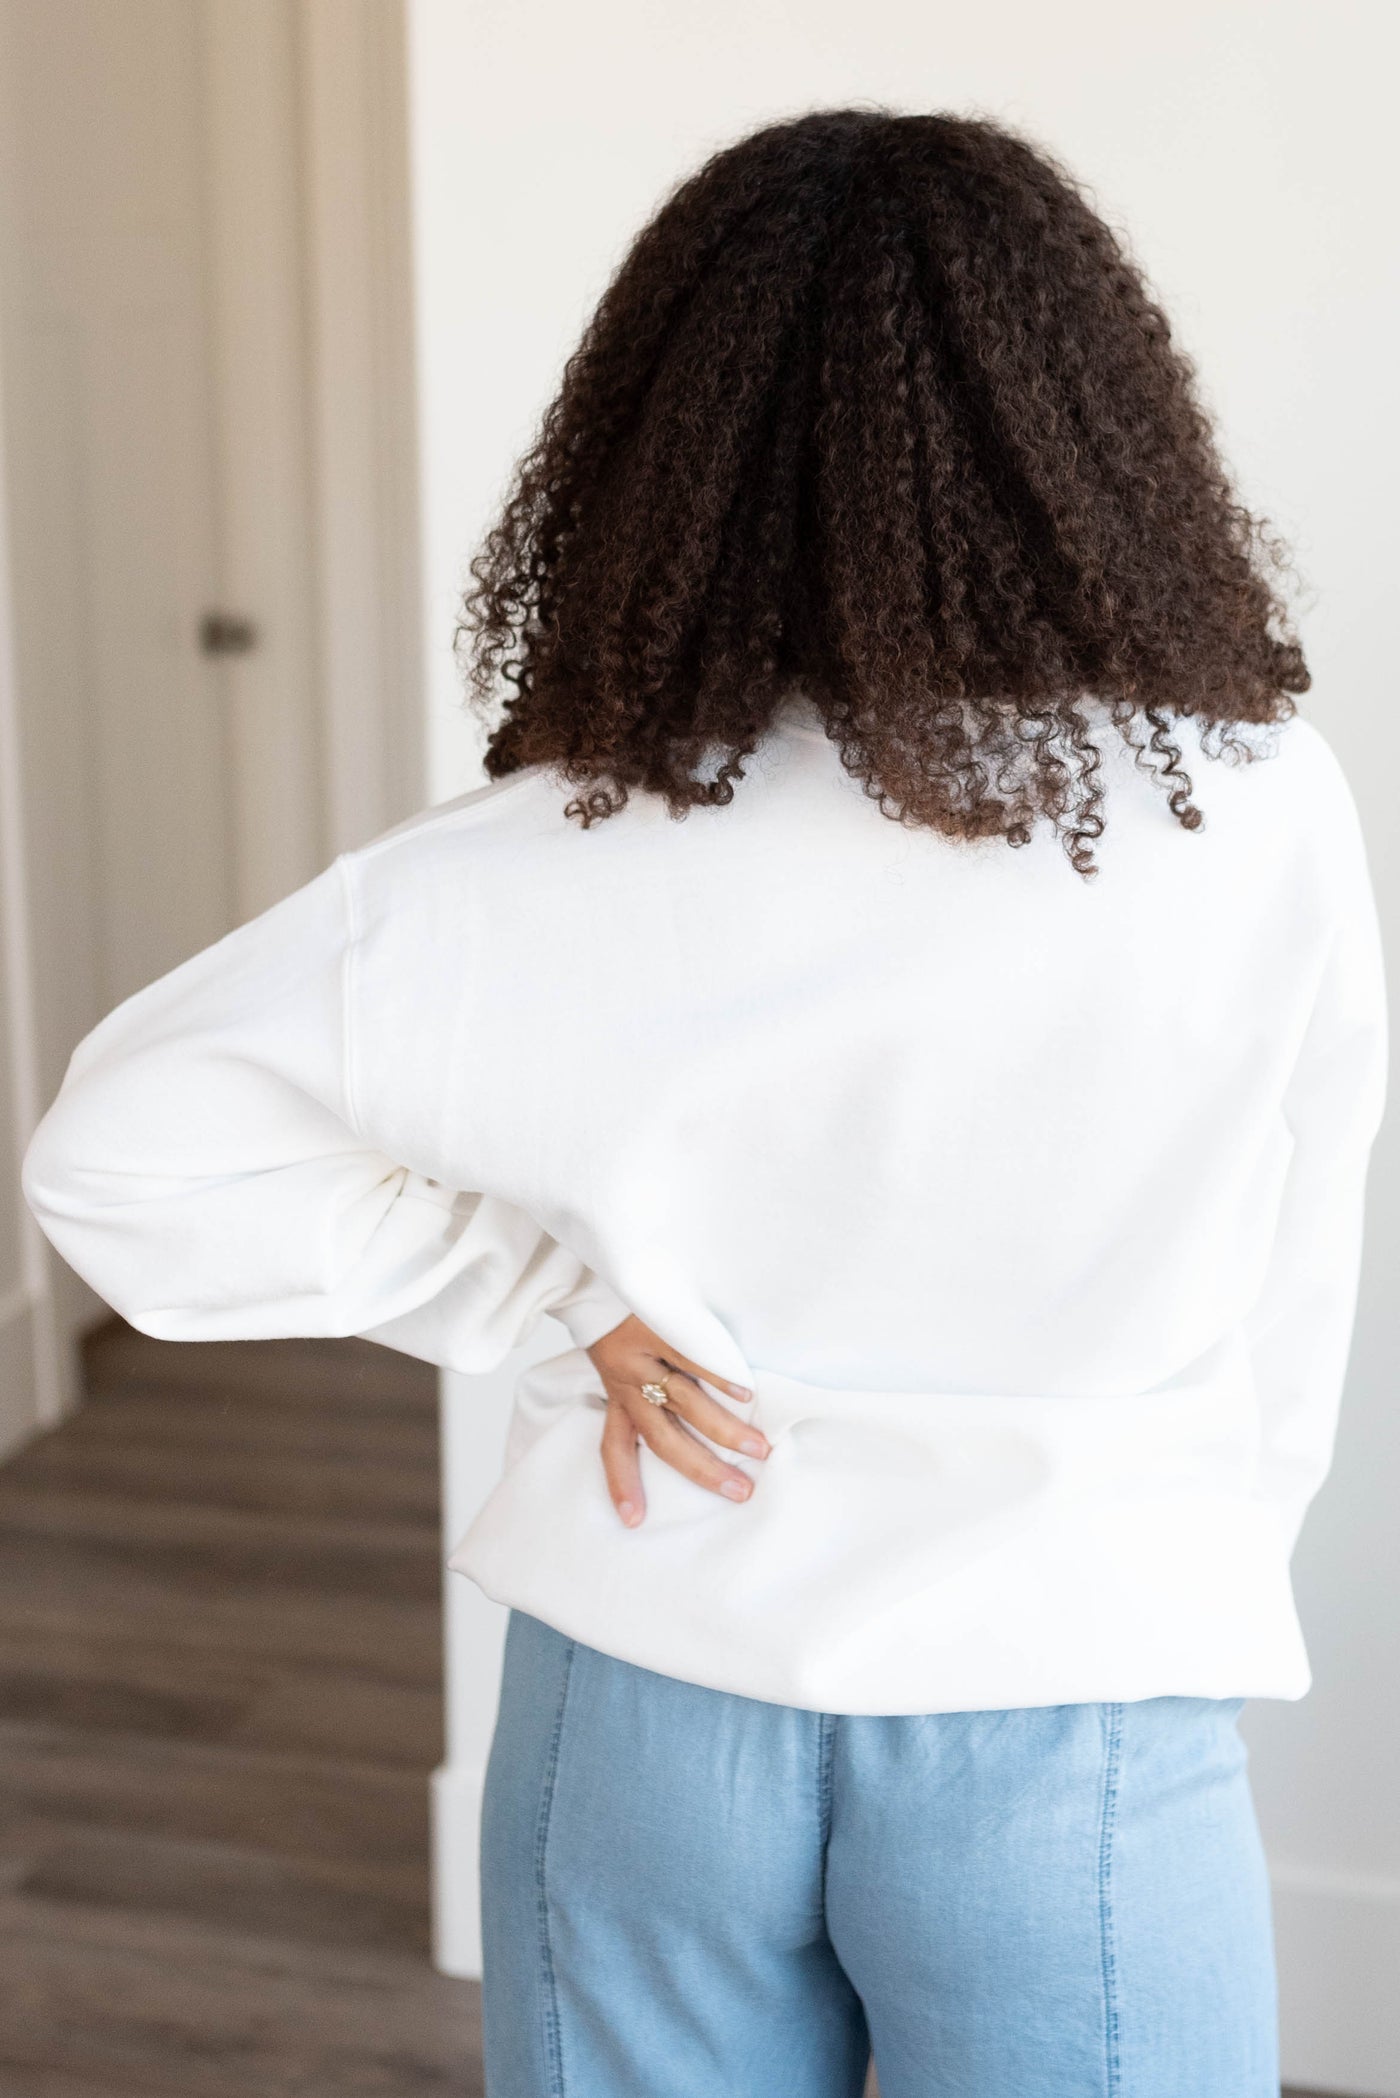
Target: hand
[631,1356]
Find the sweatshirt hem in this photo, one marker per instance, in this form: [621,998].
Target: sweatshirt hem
[928,1685]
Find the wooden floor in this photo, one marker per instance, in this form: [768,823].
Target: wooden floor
[220,1682]
[220,1692]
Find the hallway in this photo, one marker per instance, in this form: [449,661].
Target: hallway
[219,1703]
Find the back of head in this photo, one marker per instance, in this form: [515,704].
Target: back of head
[878,409]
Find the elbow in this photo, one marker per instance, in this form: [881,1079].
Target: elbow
[75,1154]
[46,1174]
[57,1180]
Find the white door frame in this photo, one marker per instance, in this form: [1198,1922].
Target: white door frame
[359,245]
[33,1380]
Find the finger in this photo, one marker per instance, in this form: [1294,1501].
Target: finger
[695,1406]
[693,1369]
[620,1466]
[671,1441]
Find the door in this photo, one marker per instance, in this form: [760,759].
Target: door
[156,484]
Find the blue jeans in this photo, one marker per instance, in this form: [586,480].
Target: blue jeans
[689,1894]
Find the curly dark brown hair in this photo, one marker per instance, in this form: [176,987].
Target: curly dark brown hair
[877,408]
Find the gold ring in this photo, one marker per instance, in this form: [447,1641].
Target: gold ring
[656,1393]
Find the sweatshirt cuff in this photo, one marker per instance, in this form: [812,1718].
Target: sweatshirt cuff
[590,1311]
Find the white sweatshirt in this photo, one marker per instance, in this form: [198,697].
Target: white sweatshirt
[1030,1208]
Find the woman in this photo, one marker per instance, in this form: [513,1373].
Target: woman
[944,1148]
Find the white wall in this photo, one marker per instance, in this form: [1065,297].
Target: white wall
[1244,143]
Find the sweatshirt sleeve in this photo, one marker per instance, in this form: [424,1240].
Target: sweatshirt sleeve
[1301,1327]
[200,1167]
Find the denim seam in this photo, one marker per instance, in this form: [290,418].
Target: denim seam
[826,1745]
[553,2046]
[1108,1814]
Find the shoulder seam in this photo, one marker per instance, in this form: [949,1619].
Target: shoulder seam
[431,819]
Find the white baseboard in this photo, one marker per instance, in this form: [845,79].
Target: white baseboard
[22,1402]
[1339,1980]
[1338,1951]
[456,1815]
[41,1369]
